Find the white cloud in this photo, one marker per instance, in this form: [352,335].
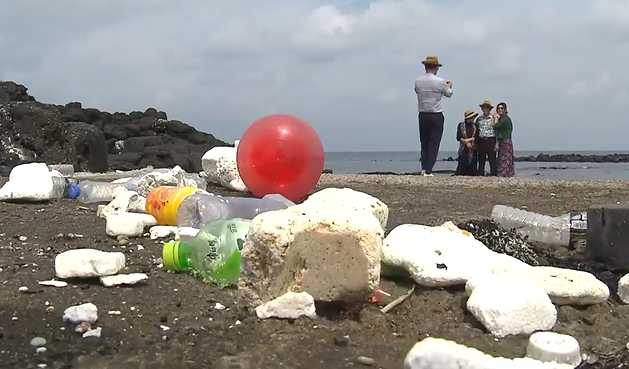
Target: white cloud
[347,67]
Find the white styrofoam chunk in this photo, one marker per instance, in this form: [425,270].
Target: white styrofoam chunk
[84,313]
[128,224]
[623,289]
[28,182]
[509,306]
[554,347]
[220,165]
[123,201]
[437,353]
[330,252]
[159,231]
[123,279]
[291,305]
[88,263]
[356,199]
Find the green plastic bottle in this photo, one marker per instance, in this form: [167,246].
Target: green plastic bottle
[214,252]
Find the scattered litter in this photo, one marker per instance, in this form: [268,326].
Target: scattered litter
[390,306]
[291,305]
[87,313]
[219,306]
[123,279]
[53,283]
[93,333]
[554,347]
[88,263]
[114,312]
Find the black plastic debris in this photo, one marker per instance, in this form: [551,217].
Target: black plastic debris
[501,240]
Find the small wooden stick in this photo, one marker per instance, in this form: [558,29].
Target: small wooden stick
[390,306]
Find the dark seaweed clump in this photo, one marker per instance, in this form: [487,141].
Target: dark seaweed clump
[501,240]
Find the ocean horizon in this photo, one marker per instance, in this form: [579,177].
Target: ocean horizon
[408,162]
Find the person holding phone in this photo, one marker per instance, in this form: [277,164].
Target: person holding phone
[431,90]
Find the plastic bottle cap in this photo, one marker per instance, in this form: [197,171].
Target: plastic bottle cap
[74,191]
[170,256]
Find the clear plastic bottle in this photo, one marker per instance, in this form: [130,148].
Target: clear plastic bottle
[64,188]
[214,252]
[538,227]
[199,209]
[66,170]
[91,191]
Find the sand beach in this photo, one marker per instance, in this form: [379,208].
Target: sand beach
[171,321]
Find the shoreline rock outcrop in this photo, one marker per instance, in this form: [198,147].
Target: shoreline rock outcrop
[94,140]
[569,158]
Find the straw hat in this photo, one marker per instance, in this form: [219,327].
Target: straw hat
[487,103]
[432,60]
[470,113]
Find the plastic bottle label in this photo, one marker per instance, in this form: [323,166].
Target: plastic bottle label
[163,202]
[224,252]
[578,230]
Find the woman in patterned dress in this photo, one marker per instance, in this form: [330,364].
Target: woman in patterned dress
[504,130]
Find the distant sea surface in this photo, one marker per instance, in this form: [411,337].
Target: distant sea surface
[408,162]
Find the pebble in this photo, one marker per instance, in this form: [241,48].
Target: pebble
[341,341]
[83,327]
[38,342]
[219,306]
[41,350]
[23,289]
[123,240]
[367,361]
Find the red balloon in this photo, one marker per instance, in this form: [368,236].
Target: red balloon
[280,154]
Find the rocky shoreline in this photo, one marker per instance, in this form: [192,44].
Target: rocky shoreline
[93,140]
[569,158]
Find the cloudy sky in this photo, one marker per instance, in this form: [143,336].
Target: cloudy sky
[346,66]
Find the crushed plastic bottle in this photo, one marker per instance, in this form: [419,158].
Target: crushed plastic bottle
[64,188]
[199,209]
[91,191]
[564,230]
[132,183]
[214,253]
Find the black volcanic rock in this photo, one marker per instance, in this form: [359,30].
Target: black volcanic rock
[575,158]
[569,158]
[94,140]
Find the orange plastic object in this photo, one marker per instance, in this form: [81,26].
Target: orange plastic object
[163,203]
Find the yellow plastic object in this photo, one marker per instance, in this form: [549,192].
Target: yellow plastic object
[163,203]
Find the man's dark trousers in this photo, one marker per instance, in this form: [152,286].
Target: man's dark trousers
[430,133]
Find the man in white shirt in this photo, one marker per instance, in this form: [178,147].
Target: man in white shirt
[430,91]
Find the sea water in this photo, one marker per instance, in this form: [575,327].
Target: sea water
[408,162]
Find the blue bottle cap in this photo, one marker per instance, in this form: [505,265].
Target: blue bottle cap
[74,191]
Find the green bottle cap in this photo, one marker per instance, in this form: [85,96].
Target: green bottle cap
[170,256]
